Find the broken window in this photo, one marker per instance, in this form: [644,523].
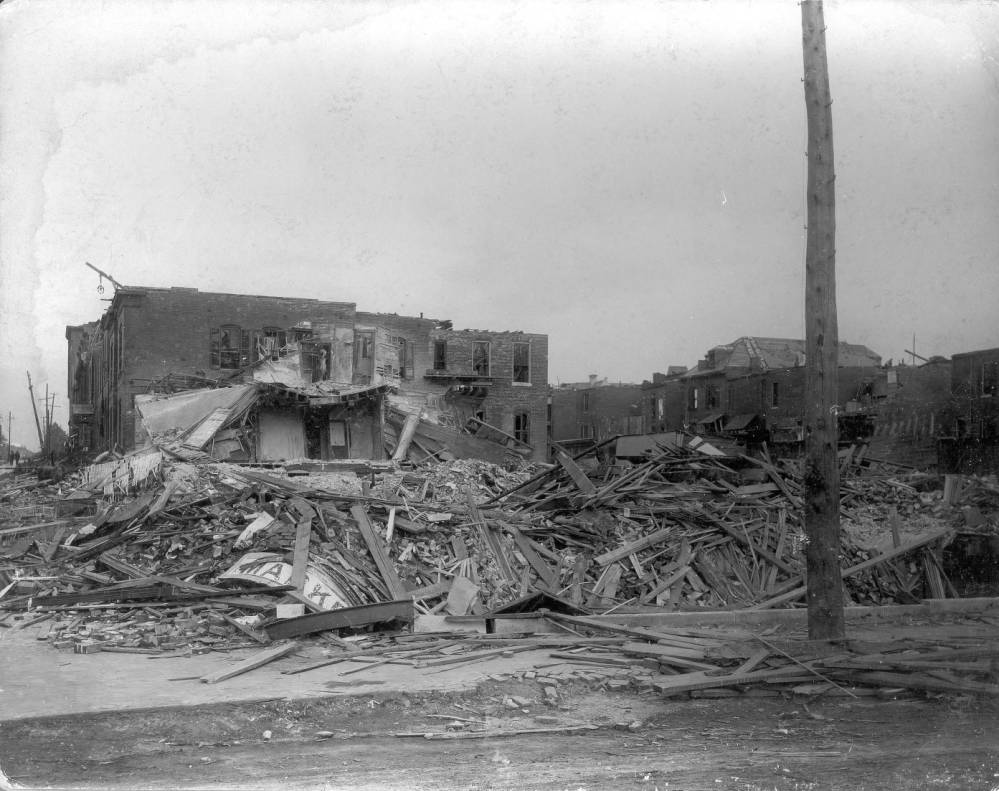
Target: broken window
[405,356]
[775,394]
[440,355]
[316,360]
[585,402]
[990,379]
[480,358]
[521,362]
[763,394]
[230,347]
[522,427]
[585,431]
[711,396]
[271,342]
[660,408]
[693,398]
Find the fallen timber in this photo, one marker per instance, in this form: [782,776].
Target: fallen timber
[173,563]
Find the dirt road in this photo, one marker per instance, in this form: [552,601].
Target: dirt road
[745,742]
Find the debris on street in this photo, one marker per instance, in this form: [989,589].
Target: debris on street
[153,553]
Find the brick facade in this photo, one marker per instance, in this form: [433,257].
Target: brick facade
[597,412]
[153,339]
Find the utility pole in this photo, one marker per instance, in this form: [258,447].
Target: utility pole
[821,479]
[10,450]
[34,408]
[48,422]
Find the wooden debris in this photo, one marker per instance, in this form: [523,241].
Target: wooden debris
[257,660]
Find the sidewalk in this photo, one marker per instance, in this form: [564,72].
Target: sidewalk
[38,681]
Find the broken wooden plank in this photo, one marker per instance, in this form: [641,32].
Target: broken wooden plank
[300,562]
[381,612]
[584,484]
[430,591]
[528,549]
[493,734]
[642,543]
[490,538]
[406,436]
[379,552]
[252,663]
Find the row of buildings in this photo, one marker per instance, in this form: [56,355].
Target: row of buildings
[939,413]
[285,378]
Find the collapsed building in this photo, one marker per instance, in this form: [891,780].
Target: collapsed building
[260,378]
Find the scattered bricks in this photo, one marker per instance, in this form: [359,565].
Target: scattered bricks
[551,693]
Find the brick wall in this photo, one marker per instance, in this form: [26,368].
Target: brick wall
[168,332]
[597,412]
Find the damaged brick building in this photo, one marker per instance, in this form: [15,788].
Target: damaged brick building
[753,389]
[321,380]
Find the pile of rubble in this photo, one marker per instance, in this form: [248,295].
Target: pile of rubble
[150,553]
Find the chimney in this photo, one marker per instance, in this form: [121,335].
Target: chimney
[593,379]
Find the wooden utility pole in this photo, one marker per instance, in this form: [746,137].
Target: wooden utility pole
[821,476]
[34,408]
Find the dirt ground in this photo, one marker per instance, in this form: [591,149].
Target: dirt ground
[757,740]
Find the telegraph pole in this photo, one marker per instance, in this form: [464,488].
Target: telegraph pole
[48,421]
[34,408]
[821,476]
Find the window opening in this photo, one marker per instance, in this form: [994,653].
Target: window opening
[480,358]
[522,427]
[521,362]
[440,355]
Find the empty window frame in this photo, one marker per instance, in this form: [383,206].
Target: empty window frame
[522,362]
[585,431]
[990,378]
[404,355]
[775,394]
[694,398]
[522,427]
[230,347]
[271,343]
[711,397]
[480,358]
[584,402]
[440,355]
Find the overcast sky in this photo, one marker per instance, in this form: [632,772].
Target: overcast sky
[626,177]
